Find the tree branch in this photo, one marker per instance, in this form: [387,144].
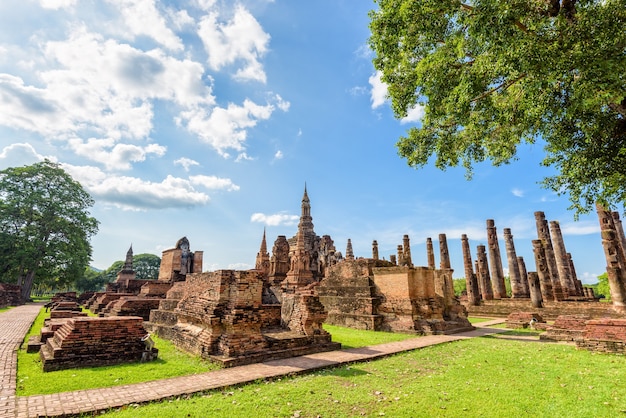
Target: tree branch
[502,86]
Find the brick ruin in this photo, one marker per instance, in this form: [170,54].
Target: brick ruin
[369,293]
[90,342]
[10,295]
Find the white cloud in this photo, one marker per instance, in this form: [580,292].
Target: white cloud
[580,228]
[181,19]
[275,219]
[186,163]
[379,90]
[364,51]
[243,157]
[114,156]
[20,154]
[131,193]
[143,18]
[242,39]
[56,4]
[279,155]
[588,278]
[213,182]
[517,192]
[282,104]
[101,88]
[378,97]
[225,128]
[416,113]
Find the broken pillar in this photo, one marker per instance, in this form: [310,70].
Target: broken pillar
[614,258]
[471,281]
[542,270]
[562,260]
[523,274]
[484,280]
[535,289]
[495,260]
[430,253]
[517,289]
[407,251]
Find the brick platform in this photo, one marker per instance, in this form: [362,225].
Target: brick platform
[88,342]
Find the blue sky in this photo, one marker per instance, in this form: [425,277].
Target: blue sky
[205,118]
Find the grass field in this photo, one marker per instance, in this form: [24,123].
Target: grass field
[481,377]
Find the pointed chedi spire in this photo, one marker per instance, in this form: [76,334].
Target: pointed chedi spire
[128,263]
[263,257]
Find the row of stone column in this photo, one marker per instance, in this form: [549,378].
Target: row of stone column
[403,256]
[555,278]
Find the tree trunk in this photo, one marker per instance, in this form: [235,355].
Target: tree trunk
[27,285]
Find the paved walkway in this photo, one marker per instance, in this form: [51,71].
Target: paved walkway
[14,324]
[69,403]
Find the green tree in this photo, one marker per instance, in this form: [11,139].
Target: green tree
[460,286]
[45,225]
[146,266]
[602,288]
[91,281]
[492,75]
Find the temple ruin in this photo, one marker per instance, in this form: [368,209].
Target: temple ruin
[552,290]
[239,317]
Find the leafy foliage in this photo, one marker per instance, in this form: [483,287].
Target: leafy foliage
[146,266]
[492,75]
[45,225]
[603,289]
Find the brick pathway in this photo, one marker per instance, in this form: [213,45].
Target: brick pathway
[70,403]
[14,324]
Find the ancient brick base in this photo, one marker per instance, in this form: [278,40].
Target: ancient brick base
[550,311]
[606,335]
[132,306]
[523,320]
[566,328]
[10,295]
[89,342]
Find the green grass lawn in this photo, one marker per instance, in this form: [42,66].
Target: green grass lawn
[481,377]
[6,308]
[351,338]
[477,320]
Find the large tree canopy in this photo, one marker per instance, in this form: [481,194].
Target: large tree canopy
[493,74]
[45,225]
